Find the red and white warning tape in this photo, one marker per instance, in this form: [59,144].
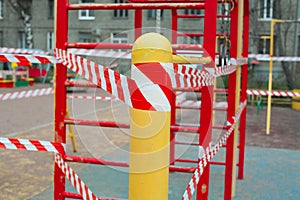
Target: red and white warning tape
[266,57]
[103,98]
[189,104]
[274,93]
[114,83]
[21,58]
[22,51]
[206,156]
[31,145]
[101,53]
[76,182]
[26,94]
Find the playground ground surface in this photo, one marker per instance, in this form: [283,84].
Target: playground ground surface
[271,166]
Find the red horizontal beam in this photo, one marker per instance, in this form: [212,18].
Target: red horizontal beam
[98,45]
[72,195]
[97,161]
[74,83]
[177,128]
[186,160]
[190,34]
[133,6]
[163,1]
[186,143]
[125,46]
[95,123]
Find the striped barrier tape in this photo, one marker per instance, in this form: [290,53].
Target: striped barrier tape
[189,104]
[22,58]
[103,98]
[118,85]
[206,156]
[74,179]
[31,145]
[26,94]
[7,50]
[274,93]
[266,57]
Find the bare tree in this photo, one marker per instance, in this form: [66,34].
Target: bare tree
[23,9]
[283,33]
[283,37]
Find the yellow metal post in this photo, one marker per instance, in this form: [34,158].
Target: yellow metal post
[271,37]
[237,91]
[149,130]
[71,131]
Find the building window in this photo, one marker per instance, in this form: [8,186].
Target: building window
[191,40]
[50,41]
[88,37]
[51,8]
[192,12]
[119,38]
[264,46]
[21,40]
[86,14]
[266,9]
[152,14]
[120,13]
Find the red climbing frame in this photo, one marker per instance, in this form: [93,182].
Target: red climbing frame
[209,37]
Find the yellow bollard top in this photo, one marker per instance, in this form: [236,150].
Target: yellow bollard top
[152,47]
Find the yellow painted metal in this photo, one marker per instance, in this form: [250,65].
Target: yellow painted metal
[191,60]
[296,101]
[237,93]
[149,131]
[71,131]
[268,123]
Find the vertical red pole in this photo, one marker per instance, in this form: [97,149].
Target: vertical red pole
[174,26]
[138,19]
[244,91]
[173,101]
[61,36]
[210,17]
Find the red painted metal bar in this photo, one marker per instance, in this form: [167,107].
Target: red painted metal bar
[229,160]
[111,124]
[164,1]
[73,83]
[244,91]
[72,195]
[125,46]
[95,123]
[186,143]
[186,160]
[207,94]
[98,45]
[174,26]
[132,6]
[97,161]
[172,133]
[61,35]
[193,16]
[190,108]
[186,34]
[173,102]
[138,22]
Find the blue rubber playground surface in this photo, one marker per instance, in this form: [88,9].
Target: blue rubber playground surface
[270,173]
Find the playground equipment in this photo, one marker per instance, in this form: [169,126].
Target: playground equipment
[19,76]
[238,14]
[137,97]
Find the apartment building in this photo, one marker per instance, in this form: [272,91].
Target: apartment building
[85,25]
